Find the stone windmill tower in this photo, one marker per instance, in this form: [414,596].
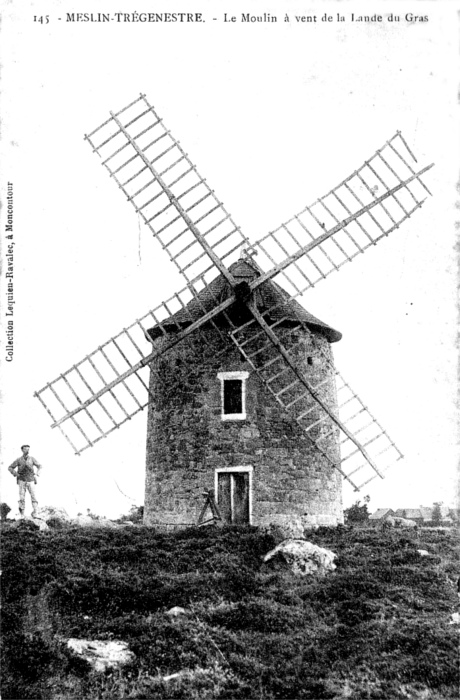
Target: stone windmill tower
[213,423]
[239,378]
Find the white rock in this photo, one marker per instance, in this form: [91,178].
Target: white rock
[187,673]
[88,521]
[172,676]
[42,525]
[105,522]
[423,552]
[455,619]
[82,520]
[176,611]
[47,512]
[101,654]
[302,557]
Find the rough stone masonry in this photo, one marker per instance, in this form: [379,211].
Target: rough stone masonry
[263,467]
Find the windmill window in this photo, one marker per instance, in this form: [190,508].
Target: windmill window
[233,395]
[310,360]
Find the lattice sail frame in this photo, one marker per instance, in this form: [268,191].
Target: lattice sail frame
[110,386]
[355,215]
[167,192]
[364,445]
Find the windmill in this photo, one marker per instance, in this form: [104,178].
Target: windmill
[241,292]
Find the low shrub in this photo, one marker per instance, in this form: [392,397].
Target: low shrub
[378,627]
[257,615]
[26,662]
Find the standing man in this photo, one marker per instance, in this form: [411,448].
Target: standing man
[23,469]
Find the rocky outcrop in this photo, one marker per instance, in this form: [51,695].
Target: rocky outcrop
[301,557]
[88,521]
[27,523]
[101,655]
[50,512]
[41,524]
[176,611]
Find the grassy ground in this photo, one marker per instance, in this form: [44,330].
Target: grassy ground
[378,627]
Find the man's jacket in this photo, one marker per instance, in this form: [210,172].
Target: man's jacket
[24,467]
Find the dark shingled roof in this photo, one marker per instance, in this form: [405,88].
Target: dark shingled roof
[266,296]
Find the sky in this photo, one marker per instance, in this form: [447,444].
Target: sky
[273,115]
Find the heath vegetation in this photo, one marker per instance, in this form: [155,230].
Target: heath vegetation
[377,627]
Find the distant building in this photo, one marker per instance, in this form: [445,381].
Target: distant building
[448,515]
[411,514]
[426,514]
[380,515]
[422,515]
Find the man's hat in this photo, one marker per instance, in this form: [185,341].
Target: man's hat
[24,446]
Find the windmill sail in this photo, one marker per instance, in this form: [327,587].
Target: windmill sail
[365,446]
[354,216]
[165,189]
[109,386]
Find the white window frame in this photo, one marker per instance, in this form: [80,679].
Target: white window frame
[229,470]
[233,375]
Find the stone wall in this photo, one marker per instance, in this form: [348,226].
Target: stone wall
[187,439]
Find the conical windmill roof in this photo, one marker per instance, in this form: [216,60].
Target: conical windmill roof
[268,296]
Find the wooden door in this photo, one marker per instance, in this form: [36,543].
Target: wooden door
[224,500]
[233,497]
